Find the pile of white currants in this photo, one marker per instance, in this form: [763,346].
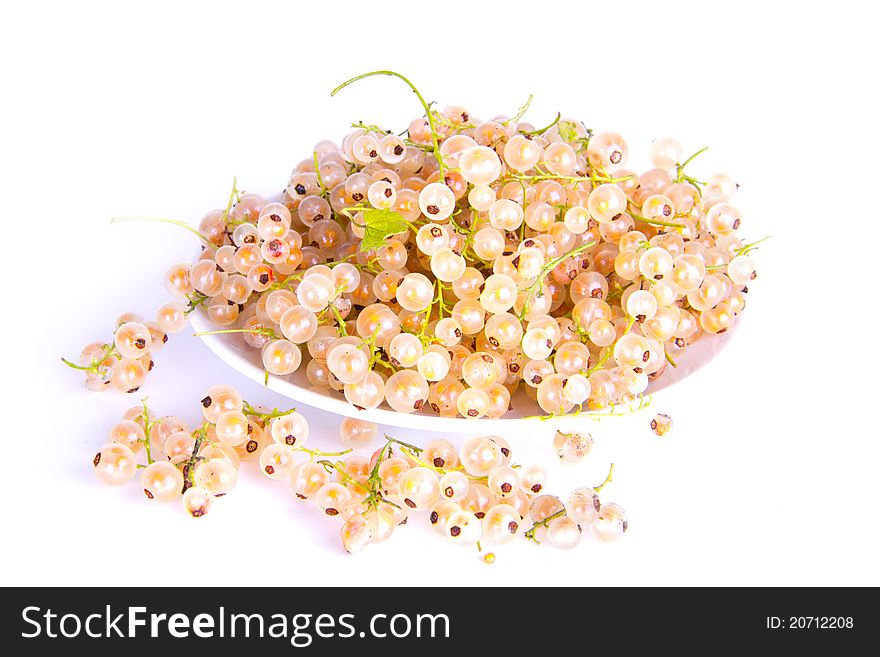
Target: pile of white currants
[123,364]
[444,271]
[473,494]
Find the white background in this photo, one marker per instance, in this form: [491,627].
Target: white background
[770,474]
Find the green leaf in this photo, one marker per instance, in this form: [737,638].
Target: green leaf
[568,130]
[379,224]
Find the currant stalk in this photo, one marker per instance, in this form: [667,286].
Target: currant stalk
[428,113]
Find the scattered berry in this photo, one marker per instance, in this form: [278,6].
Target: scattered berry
[572,447]
[471,494]
[661,424]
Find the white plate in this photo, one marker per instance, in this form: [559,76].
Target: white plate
[232,349]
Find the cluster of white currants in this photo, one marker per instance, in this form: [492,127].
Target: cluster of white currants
[123,364]
[472,495]
[195,465]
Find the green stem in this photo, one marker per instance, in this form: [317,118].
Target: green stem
[318,452]
[608,352]
[95,365]
[521,112]
[467,232]
[163,220]
[543,175]
[544,129]
[608,480]
[412,455]
[744,250]
[252,411]
[442,471]
[195,300]
[340,320]
[145,414]
[370,343]
[384,365]
[545,271]
[233,194]
[414,448]
[292,278]
[84,368]
[318,173]
[644,402]
[530,534]
[370,128]
[692,158]
[194,458]
[616,292]
[442,309]
[263,331]
[339,468]
[375,480]
[681,176]
[374,498]
[425,106]
[653,222]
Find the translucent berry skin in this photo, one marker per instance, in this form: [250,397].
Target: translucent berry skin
[406,391]
[480,456]
[132,340]
[162,481]
[464,528]
[232,428]
[291,429]
[501,524]
[611,523]
[419,488]
[277,461]
[563,533]
[355,534]
[436,201]
[128,375]
[583,506]
[172,317]
[216,475]
[306,479]
[661,424]
[129,433]
[331,497]
[572,447]
[115,464]
[665,153]
[197,501]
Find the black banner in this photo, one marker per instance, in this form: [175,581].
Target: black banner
[511,621]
